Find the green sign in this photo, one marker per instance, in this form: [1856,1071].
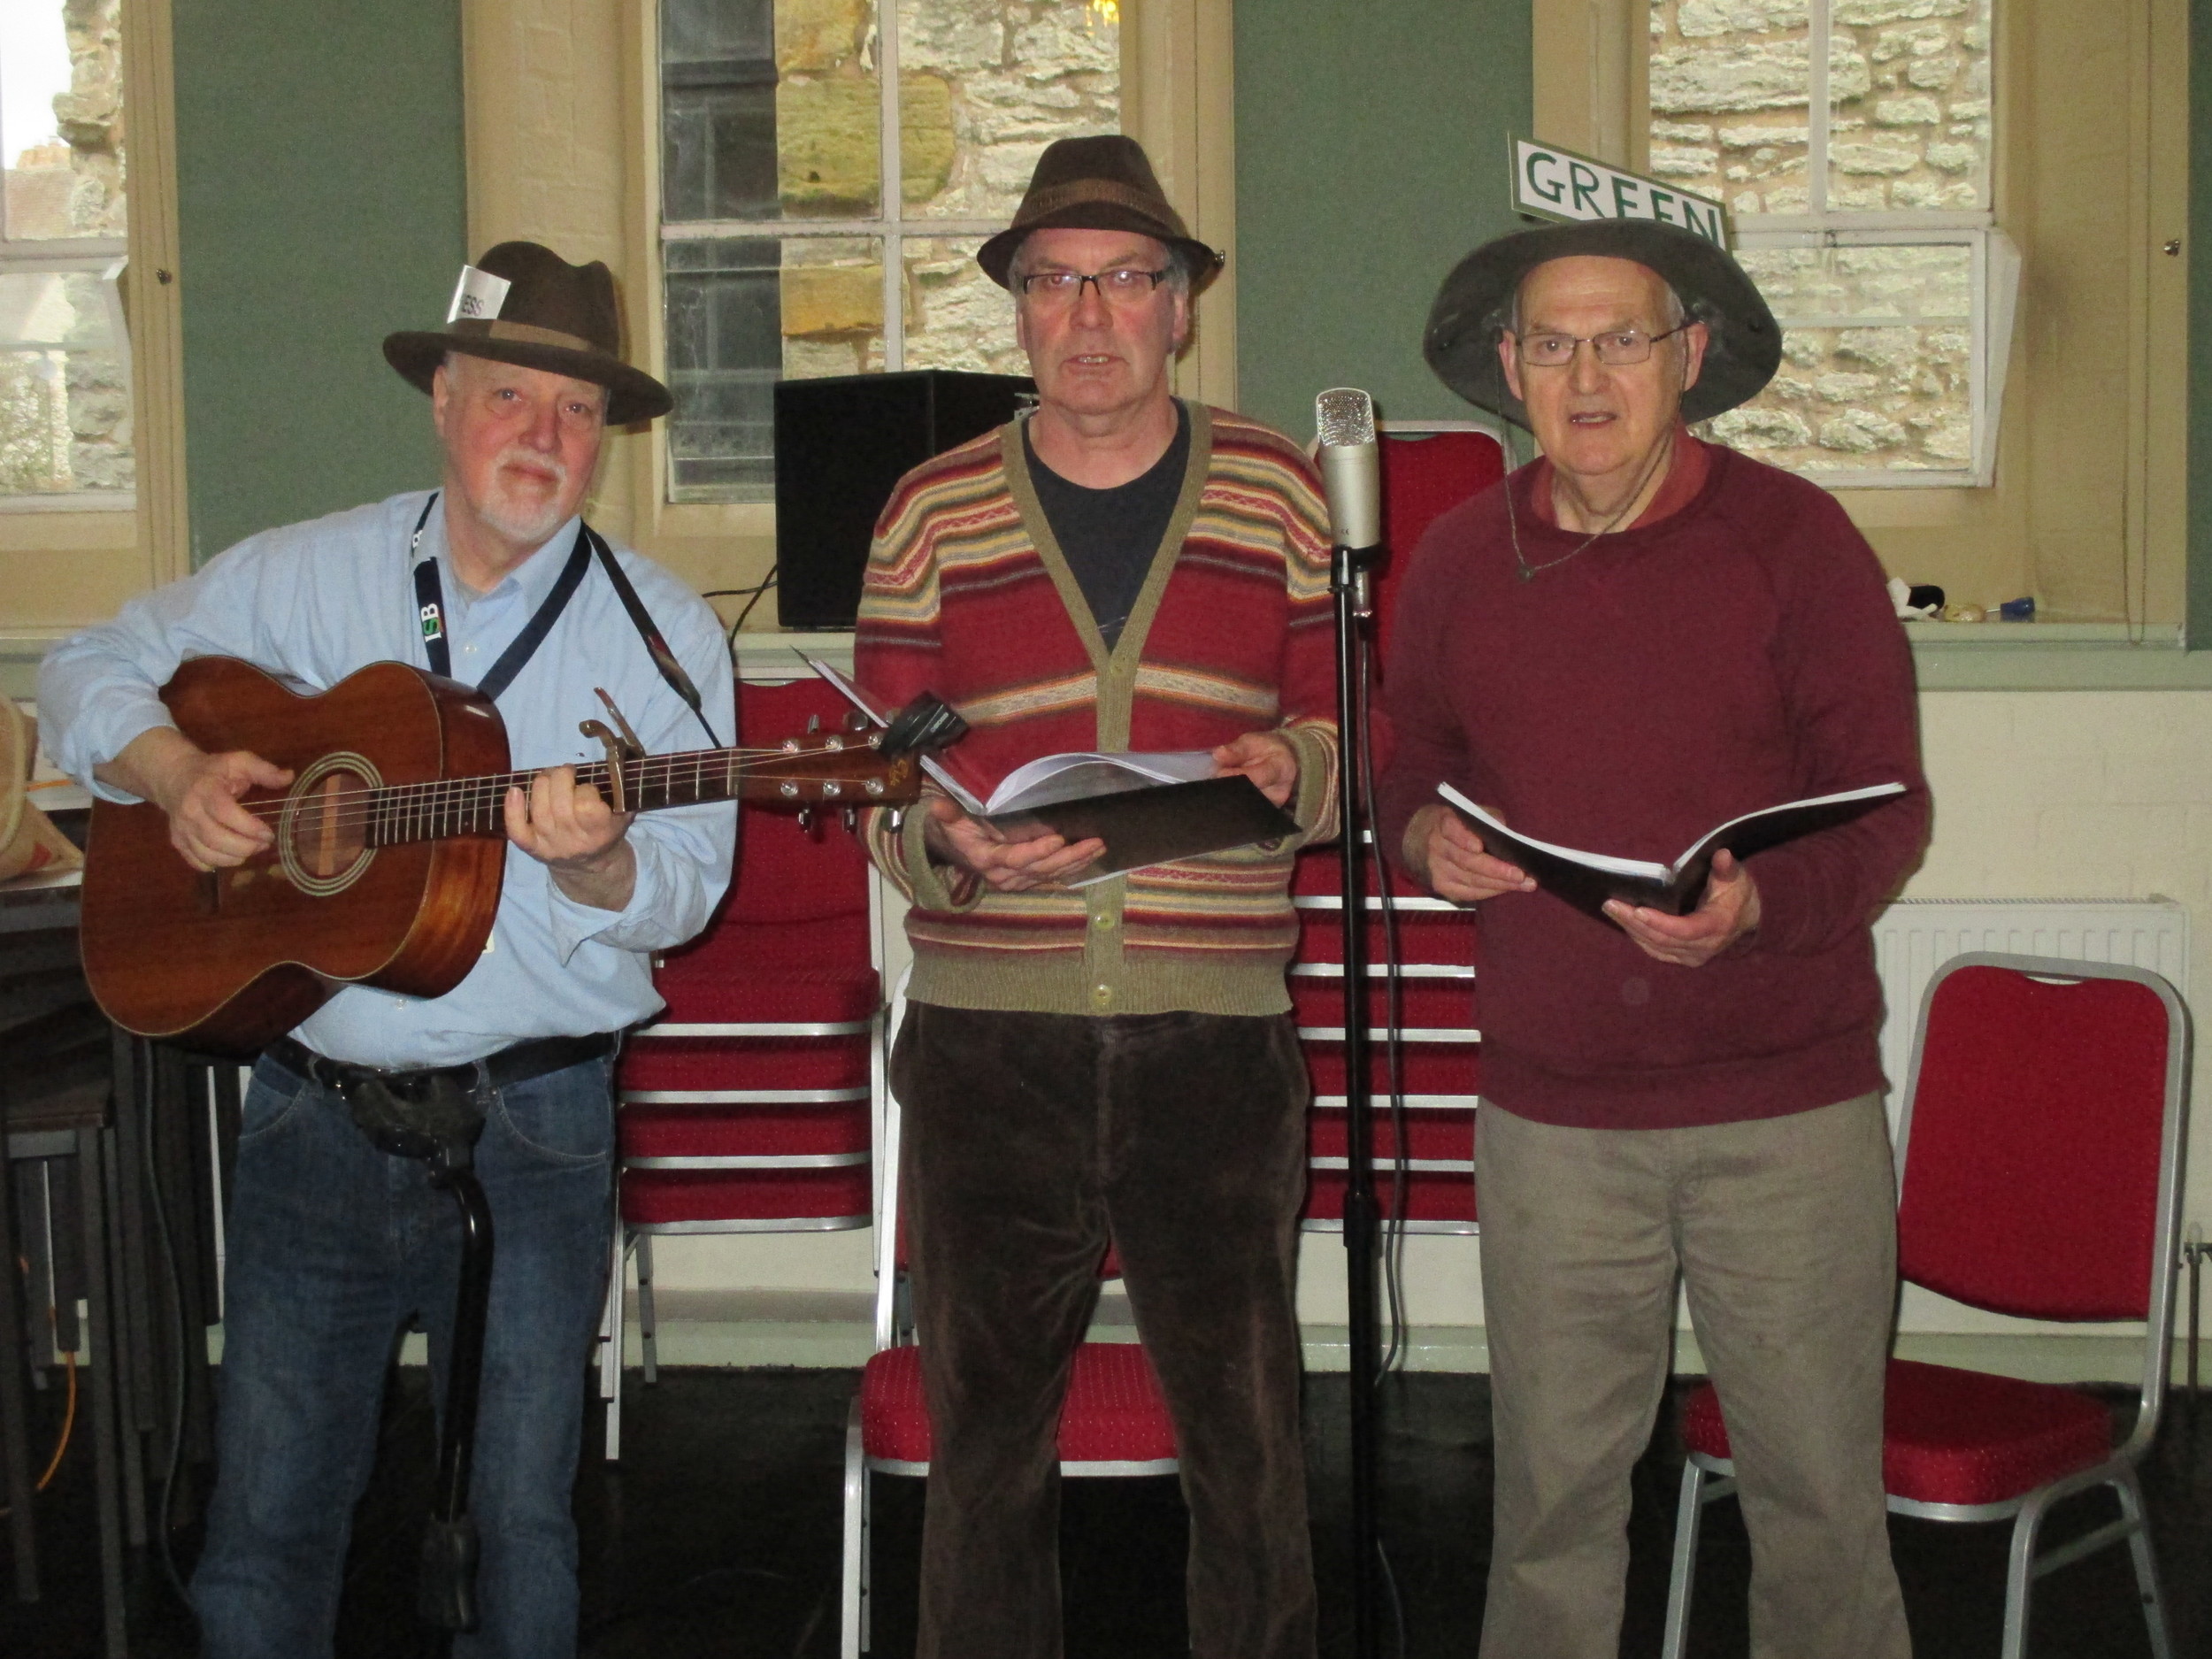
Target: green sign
[1554,184]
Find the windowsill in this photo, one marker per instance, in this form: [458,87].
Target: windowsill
[2056,656]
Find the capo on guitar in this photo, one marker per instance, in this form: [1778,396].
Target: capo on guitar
[620,748]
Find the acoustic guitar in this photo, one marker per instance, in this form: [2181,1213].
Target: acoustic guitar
[391,845]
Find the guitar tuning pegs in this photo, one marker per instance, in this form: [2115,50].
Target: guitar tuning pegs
[852,820]
[856,721]
[813,723]
[806,819]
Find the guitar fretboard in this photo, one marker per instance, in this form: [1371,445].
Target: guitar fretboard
[451,807]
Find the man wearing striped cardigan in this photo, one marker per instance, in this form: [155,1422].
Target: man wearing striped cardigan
[1113,1062]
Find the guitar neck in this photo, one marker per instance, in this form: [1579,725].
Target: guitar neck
[449,807]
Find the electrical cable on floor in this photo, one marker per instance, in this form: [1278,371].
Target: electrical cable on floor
[69,1410]
[173,1276]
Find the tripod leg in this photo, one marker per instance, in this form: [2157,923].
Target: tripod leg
[446,1591]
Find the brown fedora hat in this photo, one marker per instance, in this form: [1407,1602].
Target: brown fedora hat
[1103,183]
[551,315]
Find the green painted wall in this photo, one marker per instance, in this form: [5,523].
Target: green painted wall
[2200,622]
[1371,157]
[322,204]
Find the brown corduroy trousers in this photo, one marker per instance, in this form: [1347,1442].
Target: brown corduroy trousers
[1030,1140]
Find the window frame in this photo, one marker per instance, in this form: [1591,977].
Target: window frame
[72,566]
[1994,276]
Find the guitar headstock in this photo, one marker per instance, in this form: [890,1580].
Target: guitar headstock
[840,768]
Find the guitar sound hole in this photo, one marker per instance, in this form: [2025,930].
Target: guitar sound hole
[323,842]
[328,828]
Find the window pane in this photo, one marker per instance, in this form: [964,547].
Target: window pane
[1877,361]
[956,318]
[1909,96]
[743,313]
[64,403]
[984,85]
[61,119]
[769,110]
[1731,82]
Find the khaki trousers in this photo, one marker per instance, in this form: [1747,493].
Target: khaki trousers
[1784,1232]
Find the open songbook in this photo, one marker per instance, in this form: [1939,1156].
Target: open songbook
[1587,879]
[1148,808]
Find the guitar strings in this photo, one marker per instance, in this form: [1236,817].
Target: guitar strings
[440,797]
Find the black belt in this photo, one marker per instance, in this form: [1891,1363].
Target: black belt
[515,1064]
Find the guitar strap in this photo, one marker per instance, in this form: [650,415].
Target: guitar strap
[430,600]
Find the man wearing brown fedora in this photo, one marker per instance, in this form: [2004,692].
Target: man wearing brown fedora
[333,1245]
[1626,642]
[1111,1061]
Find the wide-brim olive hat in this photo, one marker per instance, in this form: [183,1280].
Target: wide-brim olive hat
[1103,183]
[554,316]
[1476,301]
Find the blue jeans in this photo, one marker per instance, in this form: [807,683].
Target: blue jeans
[331,1246]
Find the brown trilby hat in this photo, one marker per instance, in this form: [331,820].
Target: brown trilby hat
[555,316]
[1742,352]
[1103,183]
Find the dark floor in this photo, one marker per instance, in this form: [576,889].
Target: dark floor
[719,1535]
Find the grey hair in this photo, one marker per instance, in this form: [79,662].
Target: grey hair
[450,364]
[1672,312]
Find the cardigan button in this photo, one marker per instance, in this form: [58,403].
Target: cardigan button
[1103,996]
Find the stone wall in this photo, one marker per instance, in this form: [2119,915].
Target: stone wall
[984,86]
[1877,342]
[65,406]
[1909,96]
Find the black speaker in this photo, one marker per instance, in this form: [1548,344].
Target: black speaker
[841,446]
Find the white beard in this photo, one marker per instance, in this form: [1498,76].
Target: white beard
[520,517]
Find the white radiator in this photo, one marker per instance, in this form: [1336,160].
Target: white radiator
[1914,937]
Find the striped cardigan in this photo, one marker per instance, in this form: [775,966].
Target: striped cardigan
[968,595]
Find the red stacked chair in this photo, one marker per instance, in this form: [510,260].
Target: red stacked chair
[1114,1420]
[2041,1153]
[1426,470]
[747,1107]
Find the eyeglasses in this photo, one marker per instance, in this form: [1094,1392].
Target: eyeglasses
[1616,349]
[1122,286]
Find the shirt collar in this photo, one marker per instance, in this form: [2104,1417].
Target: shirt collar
[530,581]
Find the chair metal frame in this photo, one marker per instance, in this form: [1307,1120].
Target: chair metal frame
[894,1328]
[1705,1478]
[632,1241]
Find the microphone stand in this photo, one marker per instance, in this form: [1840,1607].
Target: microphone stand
[1354,609]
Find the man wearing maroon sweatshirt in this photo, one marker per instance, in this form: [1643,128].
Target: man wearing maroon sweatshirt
[1626,643]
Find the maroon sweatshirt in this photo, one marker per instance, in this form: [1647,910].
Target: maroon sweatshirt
[1738,653]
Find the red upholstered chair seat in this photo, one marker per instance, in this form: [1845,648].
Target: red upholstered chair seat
[791,996]
[758,1132]
[695,1065]
[843,1193]
[1113,1413]
[1960,1437]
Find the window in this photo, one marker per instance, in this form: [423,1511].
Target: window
[65,372]
[1852,140]
[797,243]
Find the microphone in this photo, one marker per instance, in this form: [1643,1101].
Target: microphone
[1351,466]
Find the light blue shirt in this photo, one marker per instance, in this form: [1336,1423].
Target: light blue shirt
[318,600]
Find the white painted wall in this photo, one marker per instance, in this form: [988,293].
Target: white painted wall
[2038,795]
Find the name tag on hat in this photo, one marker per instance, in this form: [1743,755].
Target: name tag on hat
[478,294]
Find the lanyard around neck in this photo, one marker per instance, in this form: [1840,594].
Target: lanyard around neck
[430,601]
